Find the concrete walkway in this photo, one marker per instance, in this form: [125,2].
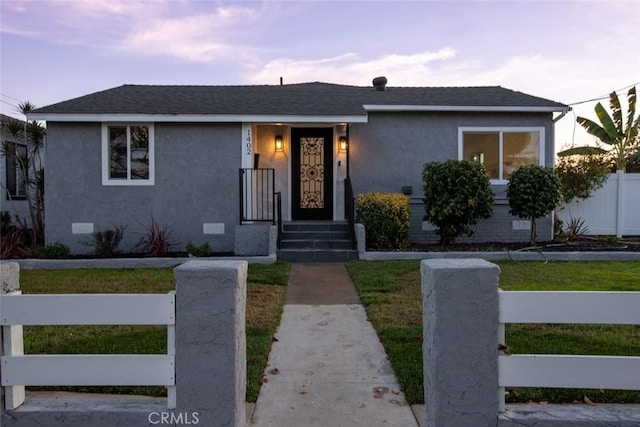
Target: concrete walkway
[327,367]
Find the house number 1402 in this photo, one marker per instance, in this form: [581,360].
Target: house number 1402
[249,142]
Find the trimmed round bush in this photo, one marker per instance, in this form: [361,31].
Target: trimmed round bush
[457,195]
[533,192]
[386,219]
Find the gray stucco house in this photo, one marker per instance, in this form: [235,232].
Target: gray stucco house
[208,159]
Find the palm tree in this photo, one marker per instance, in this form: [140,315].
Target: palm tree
[613,131]
[29,164]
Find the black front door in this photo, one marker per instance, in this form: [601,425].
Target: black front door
[312,173]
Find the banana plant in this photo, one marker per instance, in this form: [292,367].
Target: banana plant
[621,135]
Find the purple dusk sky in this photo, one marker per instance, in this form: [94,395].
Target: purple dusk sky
[567,51]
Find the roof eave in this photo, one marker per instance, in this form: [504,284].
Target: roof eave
[466,108]
[199,118]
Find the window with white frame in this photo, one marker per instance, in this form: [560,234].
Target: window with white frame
[127,154]
[15,180]
[502,150]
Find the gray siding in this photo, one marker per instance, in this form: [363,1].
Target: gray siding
[196,182]
[498,228]
[389,152]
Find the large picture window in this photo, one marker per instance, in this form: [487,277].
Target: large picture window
[502,151]
[127,154]
[16,184]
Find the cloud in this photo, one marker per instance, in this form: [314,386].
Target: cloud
[8,29]
[192,31]
[199,38]
[348,68]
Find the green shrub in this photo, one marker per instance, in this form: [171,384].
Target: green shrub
[199,251]
[386,219]
[580,176]
[457,195]
[55,250]
[106,243]
[533,192]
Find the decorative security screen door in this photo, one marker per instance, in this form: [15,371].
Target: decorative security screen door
[312,173]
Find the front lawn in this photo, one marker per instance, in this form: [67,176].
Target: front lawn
[390,291]
[265,297]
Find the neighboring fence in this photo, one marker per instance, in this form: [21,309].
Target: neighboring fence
[612,209]
[465,371]
[204,368]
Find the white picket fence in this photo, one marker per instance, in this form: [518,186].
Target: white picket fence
[612,209]
[568,371]
[18,370]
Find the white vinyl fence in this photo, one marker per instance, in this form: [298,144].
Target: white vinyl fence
[466,359]
[566,371]
[611,210]
[19,370]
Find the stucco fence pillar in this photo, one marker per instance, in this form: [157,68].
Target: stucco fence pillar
[460,350]
[10,337]
[210,360]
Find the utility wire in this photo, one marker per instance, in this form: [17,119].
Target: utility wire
[603,96]
[9,103]
[10,97]
[573,133]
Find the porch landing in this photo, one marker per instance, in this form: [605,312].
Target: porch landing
[316,241]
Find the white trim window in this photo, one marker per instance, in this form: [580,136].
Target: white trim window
[127,154]
[502,150]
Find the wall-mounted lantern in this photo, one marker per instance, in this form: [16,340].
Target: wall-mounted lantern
[278,143]
[342,143]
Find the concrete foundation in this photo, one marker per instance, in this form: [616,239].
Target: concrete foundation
[252,239]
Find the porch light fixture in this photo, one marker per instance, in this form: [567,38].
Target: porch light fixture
[343,143]
[278,143]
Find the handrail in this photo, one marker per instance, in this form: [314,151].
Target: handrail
[349,210]
[278,203]
[256,198]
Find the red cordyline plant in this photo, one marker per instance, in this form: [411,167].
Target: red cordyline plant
[12,245]
[156,240]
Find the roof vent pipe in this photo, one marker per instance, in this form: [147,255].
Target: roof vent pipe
[380,83]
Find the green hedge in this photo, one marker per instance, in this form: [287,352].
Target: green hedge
[386,219]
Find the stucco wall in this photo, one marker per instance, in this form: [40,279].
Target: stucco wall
[196,182]
[389,152]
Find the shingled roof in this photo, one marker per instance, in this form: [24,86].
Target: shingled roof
[305,99]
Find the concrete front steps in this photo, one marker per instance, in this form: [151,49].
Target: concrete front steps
[316,241]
